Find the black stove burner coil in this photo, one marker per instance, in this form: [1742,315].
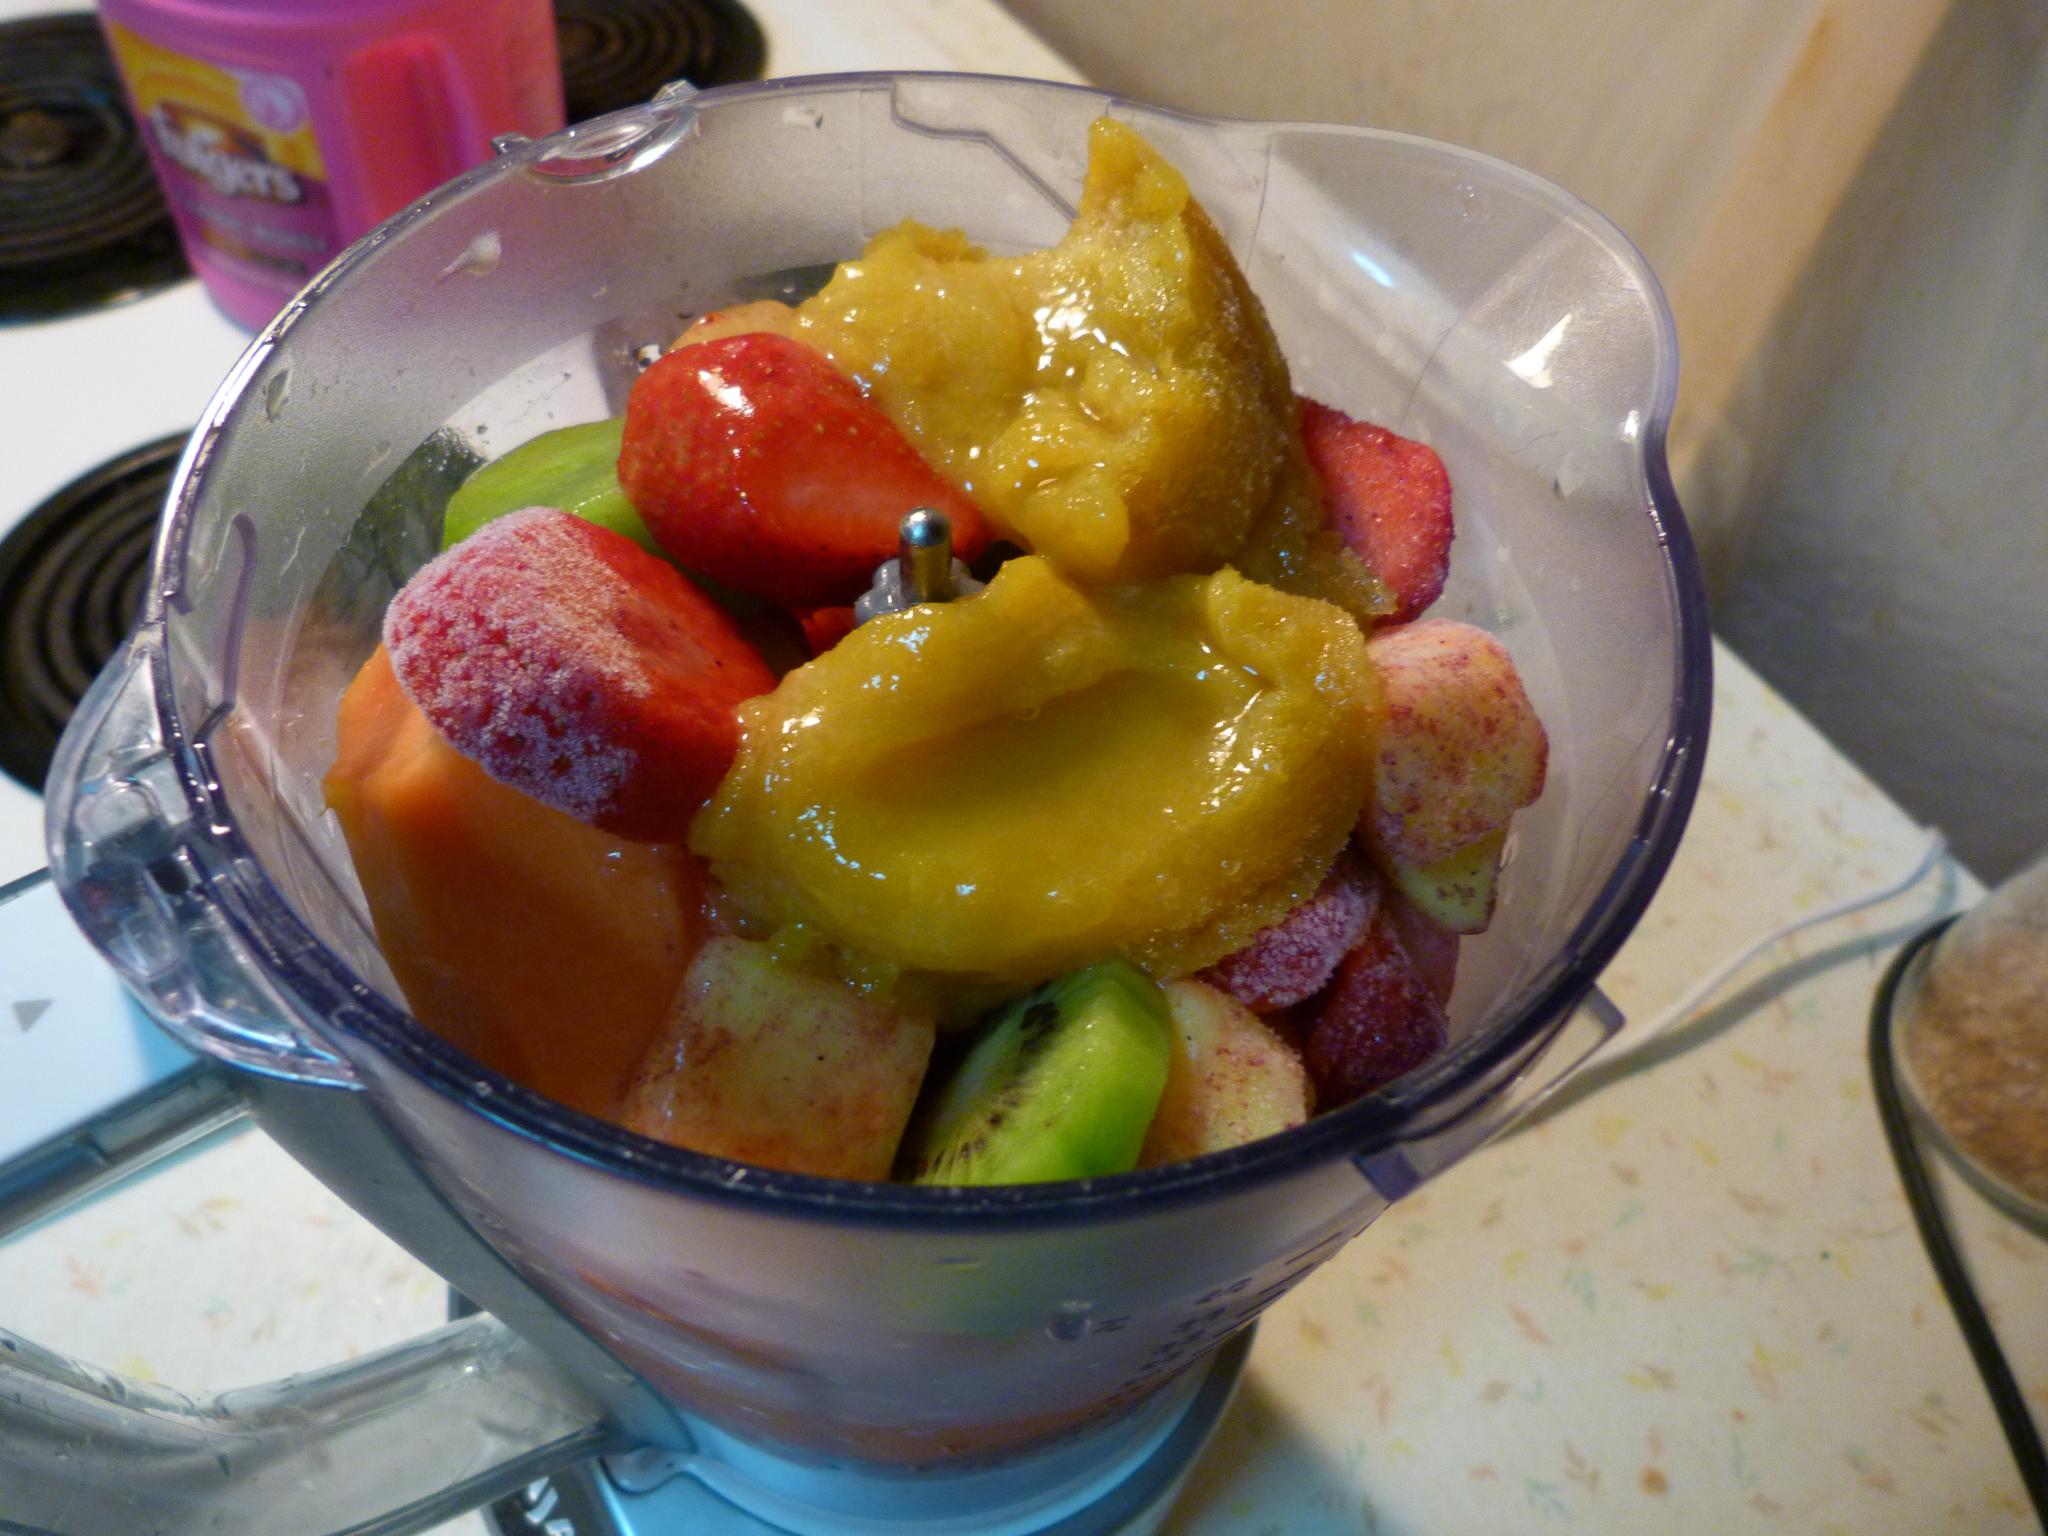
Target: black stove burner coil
[618,53]
[82,220]
[72,577]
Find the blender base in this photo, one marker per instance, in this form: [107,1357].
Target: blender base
[1120,1482]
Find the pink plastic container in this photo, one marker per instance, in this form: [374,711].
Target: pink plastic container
[283,129]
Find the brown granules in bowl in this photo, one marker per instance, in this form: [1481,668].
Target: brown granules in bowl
[1977,1046]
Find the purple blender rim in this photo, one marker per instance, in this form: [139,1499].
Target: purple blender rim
[330,990]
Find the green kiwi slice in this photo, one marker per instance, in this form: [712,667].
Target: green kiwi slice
[573,468]
[1059,1084]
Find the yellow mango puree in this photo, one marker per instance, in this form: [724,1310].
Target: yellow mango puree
[1042,775]
[1117,403]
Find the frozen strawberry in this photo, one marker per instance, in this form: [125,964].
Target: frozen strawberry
[577,668]
[1378,1021]
[1389,499]
[1290,961]
[754,460]
[825,627]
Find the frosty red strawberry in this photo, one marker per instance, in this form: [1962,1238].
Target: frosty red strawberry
[578,668]
[1289,962]
[1378,1021]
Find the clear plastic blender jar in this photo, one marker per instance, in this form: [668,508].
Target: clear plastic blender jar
[889,1328]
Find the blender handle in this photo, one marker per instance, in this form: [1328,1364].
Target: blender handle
[84,1452]
[127,822]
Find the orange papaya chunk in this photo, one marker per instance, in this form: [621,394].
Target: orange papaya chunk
[540,945]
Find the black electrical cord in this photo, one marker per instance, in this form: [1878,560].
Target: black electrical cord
[2006,1399]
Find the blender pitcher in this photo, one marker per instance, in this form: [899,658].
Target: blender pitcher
[654,1295]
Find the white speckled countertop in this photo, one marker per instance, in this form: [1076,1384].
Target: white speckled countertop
[1690,1298]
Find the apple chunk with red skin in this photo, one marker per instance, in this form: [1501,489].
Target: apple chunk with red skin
[1229,1080]
[769,1063]
[1457,891]
[1461,751]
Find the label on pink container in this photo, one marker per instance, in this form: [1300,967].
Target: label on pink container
[238,160]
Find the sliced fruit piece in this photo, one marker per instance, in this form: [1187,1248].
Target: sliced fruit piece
[1389,498]
[578,668]
[1458,889]
[1229,1080]
[1290,961]
[1060,1084]
[1462,749]
[1378,1021]
[543,947]
[758,463]
[780,1066]
[573,468]
[739,320]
